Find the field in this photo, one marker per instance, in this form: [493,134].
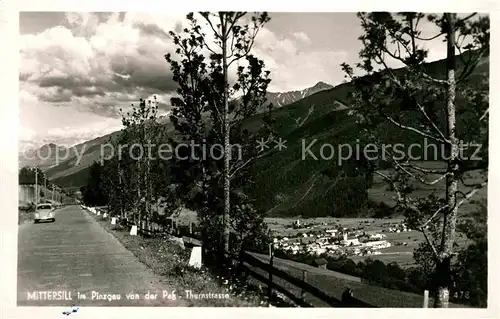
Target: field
[402,254]
[379,191]
[334,284]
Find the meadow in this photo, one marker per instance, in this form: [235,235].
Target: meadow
[402,253]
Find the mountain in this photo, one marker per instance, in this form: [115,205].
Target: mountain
[65,164]
[285,183]
[72,170]
[44,157]
[281,99]
[292,183]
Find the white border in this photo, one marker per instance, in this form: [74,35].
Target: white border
[9,28]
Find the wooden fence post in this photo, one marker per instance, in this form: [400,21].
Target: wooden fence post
[271,257]
[426,299]
[304,279]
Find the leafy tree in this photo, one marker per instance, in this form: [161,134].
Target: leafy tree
[112,186]
[395,272]
[448,106]
[349,267]
[28,175]
[471,281]
[375,270]
[93,192]
[207,112]
[144,133]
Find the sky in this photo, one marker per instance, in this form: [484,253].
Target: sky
[78,69]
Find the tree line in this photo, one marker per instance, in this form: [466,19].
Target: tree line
[447,106]
[31,175]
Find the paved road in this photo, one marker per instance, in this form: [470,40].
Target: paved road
[76,255]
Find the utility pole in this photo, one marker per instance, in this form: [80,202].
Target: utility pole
[53,192]
[36,185]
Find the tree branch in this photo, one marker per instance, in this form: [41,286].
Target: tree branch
[236,169]
[298,121]
[249,45]
[432,79]
[412,206]
[432,217]
[432,123]
[421,108]
[394,186]
[468,17]
[430,38]
[419,178]
[484,114]
[412,129]
[470,66]
[402,60]
[423,170]
[434,250]
[238,16]
[471,193]
[207,18]
[207,46]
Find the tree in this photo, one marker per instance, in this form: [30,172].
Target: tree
[446,103]
[141,128]
[93,192]
[471,275]
[207,112]
[26,176]
[395,272]
[112,186]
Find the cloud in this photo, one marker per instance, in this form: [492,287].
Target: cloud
[25,133]
[301,36]
[99,63]
[293,66]
[84,61]
[68,135]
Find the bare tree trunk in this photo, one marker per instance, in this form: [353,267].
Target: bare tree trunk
[121,188]
[138,215]
[443,278]
[227,148]
[148,195]
[146,177]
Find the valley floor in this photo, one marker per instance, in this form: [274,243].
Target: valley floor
[402,243]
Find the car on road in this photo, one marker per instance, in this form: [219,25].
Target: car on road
[44,212]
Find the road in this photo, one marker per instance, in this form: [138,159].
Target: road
[76,255]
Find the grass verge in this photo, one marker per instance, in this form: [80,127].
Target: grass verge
[25,217]
[167,259]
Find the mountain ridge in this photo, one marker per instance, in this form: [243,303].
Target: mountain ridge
[287,185]
[279,99]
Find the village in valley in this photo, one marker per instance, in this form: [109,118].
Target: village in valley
[364,238]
